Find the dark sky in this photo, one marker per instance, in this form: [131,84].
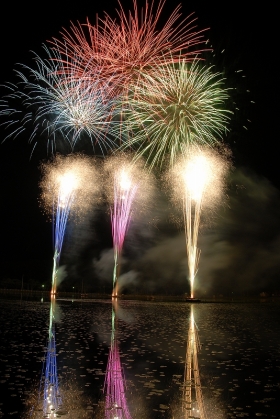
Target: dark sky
[240,249]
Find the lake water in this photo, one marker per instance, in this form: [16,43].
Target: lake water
[139,360]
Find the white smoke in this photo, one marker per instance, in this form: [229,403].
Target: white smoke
[128,279]
[61,274]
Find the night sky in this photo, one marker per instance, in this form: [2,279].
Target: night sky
[240,247]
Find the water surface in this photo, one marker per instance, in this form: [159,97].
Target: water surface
[138,355]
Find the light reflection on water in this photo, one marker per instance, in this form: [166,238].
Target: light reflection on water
[140,359]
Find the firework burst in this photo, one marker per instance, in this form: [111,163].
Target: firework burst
[198,182]
[131,45]
[128,190]
[69,185]
[55,105]
[185,106]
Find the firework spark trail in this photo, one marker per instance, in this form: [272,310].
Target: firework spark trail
[197,175]
[184,106]
[53,103]
[129,46]
[198,181]
[124,193]
[114,386]
[69,185]
[129,188]
[65,199]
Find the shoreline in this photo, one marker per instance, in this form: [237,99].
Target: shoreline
[87,297]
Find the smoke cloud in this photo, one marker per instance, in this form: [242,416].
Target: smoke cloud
[61,274]
[104,265]
[239,245]
[239,250]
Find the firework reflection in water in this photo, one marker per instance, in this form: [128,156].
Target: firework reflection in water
[129,187]
[52,400]
[69,184]
[198,181]
[193,403]
[114,387]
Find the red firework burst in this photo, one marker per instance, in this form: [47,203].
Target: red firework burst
[130,46]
